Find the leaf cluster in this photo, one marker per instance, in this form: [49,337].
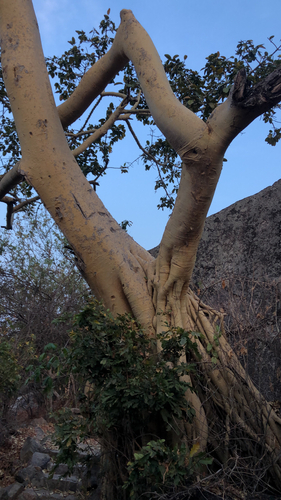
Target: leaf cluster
[158,469]
[118,361]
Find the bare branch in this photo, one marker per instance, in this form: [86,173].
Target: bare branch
[277,48]
[113,94]
[9,215]
[95,184]
[80,133]
[11,210]
[150,156]
[100,132]
[90,114]
[7,199]
[18,207]
[135,112]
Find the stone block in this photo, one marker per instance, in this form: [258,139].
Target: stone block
[30,446]
[40,459]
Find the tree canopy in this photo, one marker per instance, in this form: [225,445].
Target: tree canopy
[92,143]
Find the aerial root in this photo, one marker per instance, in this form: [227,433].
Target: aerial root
[228,390]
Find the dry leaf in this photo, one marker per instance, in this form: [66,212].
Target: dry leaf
[194,449]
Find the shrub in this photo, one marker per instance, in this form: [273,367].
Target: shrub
[136,406]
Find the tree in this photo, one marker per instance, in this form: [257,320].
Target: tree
[121,273]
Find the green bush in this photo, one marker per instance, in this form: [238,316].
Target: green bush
[136,405]
[158,469]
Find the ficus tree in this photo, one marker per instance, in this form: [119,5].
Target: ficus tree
[199,116]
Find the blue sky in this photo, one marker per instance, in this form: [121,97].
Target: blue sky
[179,27]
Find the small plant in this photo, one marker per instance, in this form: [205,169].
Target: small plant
[158,468]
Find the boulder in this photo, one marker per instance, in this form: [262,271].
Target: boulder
[26,475]
[238,271]
[28,405]
[40,459]
[11,492]
[30,446]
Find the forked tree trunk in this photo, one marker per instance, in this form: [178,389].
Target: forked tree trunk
[119,271]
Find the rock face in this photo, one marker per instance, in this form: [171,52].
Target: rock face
[244,239]
[238,269]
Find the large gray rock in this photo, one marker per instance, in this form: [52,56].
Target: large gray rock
[243,239]
[11,492]
[40,459]
[238,270]
[28,474]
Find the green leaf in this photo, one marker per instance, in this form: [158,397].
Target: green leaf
[206,461]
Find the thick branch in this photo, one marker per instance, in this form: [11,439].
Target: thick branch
[262,97]
[132,42]
[116,276]
[91,86]
[244,104]
[10,180]
[177,123]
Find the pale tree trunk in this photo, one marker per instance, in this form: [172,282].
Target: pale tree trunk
[118,270]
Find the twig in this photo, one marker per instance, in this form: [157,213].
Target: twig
[102,130]
[90,114]
[25,202]
[151,157]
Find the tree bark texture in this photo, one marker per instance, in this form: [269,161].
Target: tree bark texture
[121,273]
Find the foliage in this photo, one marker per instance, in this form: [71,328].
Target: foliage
[133,398]
[200,91]
[159,469]
[125,224]
[39,283]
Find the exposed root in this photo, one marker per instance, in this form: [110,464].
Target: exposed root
[227,402]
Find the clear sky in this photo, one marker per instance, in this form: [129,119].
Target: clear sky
[176,27]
